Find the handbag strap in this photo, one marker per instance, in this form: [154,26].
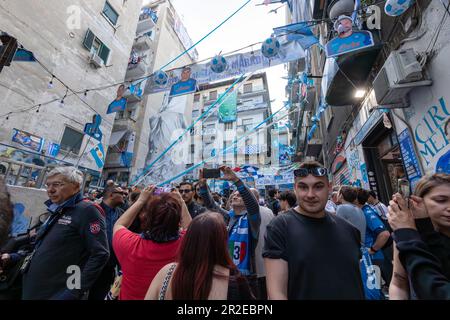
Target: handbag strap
[165,285]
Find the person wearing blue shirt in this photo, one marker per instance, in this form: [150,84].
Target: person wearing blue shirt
[377,235]
[185,85]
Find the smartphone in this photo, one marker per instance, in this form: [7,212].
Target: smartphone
[211,173]
[158,191]
[403,187]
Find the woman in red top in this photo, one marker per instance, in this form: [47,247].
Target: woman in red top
[141,256]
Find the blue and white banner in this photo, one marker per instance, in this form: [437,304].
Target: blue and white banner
[98,153]
[298,32]
[127,155]
[53,149]
[238,64]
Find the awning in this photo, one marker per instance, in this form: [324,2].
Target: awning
[116,137]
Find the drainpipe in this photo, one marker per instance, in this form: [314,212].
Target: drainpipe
[413,140]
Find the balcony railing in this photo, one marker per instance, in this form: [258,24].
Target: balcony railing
[144,42]
[147,21]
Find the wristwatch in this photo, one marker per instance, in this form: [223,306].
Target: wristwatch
[373,250]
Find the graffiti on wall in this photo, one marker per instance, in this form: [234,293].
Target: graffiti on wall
[432,134]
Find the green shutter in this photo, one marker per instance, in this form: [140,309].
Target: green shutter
[104,53]
[89,39]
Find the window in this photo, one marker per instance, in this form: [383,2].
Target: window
[195,114]
[228,126]
[110,13]
[192,148]
[197,97]
[213,95]
[71,140]
[248,87]
[95,45]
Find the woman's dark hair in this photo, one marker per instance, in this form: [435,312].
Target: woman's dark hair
[348,193]
[6,212]
[363,196]
[135,195]
[161,217]
[204,246]
[290,197]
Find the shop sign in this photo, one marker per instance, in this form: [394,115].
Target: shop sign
[410,159]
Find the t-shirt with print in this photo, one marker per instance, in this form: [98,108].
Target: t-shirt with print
[141,260]
[374,227]
[322,255]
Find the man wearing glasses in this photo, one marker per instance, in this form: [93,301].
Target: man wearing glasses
[71,247]
[310,253]
[113,199]
[187,192]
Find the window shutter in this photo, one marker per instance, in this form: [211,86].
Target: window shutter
[104,53]
[88,39]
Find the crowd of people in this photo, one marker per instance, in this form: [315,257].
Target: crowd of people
[317,241]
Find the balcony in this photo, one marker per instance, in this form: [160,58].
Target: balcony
[147,21]
[125,123]
[113,160]
[351,70]
[313,148]
[144,42]
[136,70]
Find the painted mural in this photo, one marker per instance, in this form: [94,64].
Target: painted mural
[431,130]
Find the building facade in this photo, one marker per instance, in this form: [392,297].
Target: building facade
[85,44]
[215,134]
[383,110]
[160,36]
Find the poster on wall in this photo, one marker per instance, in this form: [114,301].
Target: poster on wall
[409,158]
[28,140]
[365,177]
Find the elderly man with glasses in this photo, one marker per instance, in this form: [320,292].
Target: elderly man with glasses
[71,247]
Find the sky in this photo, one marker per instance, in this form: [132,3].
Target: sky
[250,25]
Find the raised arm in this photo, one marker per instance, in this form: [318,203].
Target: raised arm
[127,218]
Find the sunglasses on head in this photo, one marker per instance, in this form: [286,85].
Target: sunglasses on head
[316,172]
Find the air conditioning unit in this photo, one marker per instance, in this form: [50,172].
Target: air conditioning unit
[400,73]
[95,60]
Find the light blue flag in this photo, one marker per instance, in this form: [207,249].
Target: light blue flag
[98,153]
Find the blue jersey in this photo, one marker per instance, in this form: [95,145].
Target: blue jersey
[374,226]
[239,244]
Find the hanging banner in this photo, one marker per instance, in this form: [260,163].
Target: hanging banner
[28,140]
[228,108]
[98,153]
[357,40]
[53,149]
[127,155]
[300,32]
[120,103]
[185,85]
[93,129]
[238,64]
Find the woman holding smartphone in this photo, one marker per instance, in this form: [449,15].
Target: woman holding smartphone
[430,206]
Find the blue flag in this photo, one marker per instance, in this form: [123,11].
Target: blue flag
[98,153]
[298,32]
